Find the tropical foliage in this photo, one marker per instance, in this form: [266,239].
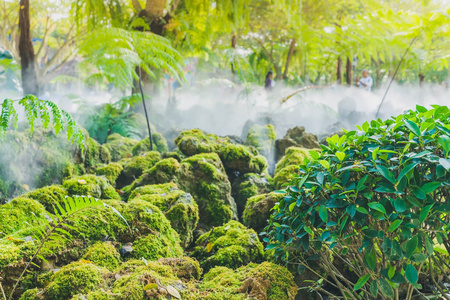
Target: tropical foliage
[374,201]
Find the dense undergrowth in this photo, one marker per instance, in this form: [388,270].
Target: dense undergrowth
[184,222]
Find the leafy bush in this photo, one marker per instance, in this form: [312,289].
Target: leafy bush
[375,201]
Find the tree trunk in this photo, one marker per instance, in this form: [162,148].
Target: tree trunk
[26,51]
[233,45]
[339,70]
[289,57]
[348,70]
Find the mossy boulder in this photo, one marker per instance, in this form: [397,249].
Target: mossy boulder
[235,157]
[263,137]
[185,268]
[134,167]
[90,185]
[144,280]
[20,213]
[204,177]
[258,210]
[265,281]
[284,176]
[77,277]
[110,171]
[152,235]
[294,156]
[178,206]
[247,186]
[231,245]
[159,145]
[92,155]
[296,137]
[119,147]
[287,167]
[103,254]
[48,196]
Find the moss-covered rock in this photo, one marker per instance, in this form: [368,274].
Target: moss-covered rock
[294,156]
[185,268]
[135,166]
[265,281]
[103,254]
[20,213]
[296,137]
[154,236]
[176,155]
[247,186]
[119,147]
[90,185]
[92,155]
[178,206]
[159,145]
[263,137]
[258,210]
[31,294]
[204,177]
[231,245]
[235,157]
[78,277]
[144,280]
[110,171]
[284,176]
[48,196]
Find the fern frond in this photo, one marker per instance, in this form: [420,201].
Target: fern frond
[116,53]
[45,111]
[55,232]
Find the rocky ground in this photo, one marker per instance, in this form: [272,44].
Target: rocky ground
[194,209]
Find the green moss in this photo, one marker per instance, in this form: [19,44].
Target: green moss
[240,158]
[178,206]
[78,277]
[96,295]
[262,137]
[253,281]
[103,254]
[31,294]
[93,155]
[135,275]
[155,236]
[119,147]
[231,245]
[173,154]
[48,196]
[110,171]
[204,177]
[294,157]
[185,268]
[159,145]
[133,168]
[90,185]
[249,185]
[196,141]
[258,210]
[285,175]
[21,213]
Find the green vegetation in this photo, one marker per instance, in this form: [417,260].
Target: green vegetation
[376,201]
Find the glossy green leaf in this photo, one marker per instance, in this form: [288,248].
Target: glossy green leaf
[386,288]
[411,274]
[361,282]
[413,127]
[424,212]
[374,288]
[340,155]
[323,213]
[445,163]
[430,187]
[399,205]
[394,225]
[371,259]
[444,141]
[386,174]
[411,246]
[377,206]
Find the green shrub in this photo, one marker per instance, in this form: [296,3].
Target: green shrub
[374,200]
